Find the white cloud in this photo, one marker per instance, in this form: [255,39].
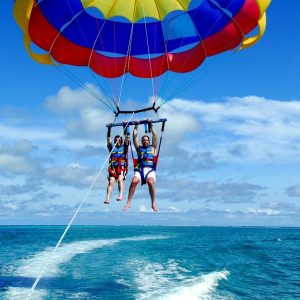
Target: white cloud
[260,211]
[71,175]
[253,117]
[250,127]
[210,191]
[173,209]
[176,160]
[17,164]
[20,147]
[142,208]
[36,133]
[90,124]
[18,158]
[85,117]
[179,122]
[207,135]
[242,108]
[70,101]
[10,205]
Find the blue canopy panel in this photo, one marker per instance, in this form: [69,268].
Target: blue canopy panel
[178,30]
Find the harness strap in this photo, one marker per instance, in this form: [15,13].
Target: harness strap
[144,177]
[139,161]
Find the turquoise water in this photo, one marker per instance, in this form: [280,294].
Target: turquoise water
[138,262]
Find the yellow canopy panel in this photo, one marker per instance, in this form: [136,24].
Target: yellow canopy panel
[138,9]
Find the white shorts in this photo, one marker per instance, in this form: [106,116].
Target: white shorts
[149,171]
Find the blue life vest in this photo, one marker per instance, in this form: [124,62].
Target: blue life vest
[146,157]
[118,157]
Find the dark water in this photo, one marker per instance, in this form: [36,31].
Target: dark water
[136,262]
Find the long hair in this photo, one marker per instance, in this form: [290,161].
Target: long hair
[118,136]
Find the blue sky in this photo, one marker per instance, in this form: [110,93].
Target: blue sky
[230,154]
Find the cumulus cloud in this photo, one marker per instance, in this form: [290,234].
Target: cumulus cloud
[259,211]
[20,147]
[252,127]
[180,123]
[92,151]
[199,136]
[71,175]
[177,160]
[173,209]
[36,133]
[142,208]
[16,158]
[210,191]
[238,150]
[68,100]
[272,209]
[16,189]
[242,108]
[91,124]
[84,117]
[17,164]
[293,191]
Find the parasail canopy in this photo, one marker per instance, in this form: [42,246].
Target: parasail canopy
[143,37]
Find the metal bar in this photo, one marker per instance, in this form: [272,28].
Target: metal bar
[118,111]
[136,122]
[134,111]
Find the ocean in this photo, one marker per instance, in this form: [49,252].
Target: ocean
[150,262]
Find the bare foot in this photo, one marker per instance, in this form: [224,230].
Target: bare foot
[119,198]
[126,207]
[106,202]
[154,208]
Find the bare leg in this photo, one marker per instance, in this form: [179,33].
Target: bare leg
[120,187]
[132,188]
[151,187]
[110,186]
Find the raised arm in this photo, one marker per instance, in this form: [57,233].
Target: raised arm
[109,145]
[154,135]
[126,140]
[135,138]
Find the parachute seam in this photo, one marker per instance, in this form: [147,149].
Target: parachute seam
[102,45]
[109,98]
[183,84]
[127,58]
[165,80]
[222,9]
[84,86]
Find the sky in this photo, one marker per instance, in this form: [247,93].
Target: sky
[230,151]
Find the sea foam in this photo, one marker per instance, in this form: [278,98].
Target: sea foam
[172,282]
[51,262]
[201,287]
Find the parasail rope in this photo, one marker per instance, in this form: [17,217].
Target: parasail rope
[184,80]
[112,6]
[107,93]
[75,79]
[152,79]
[41,273]
[108,89]
[165,78]
[196,75]
[126,63]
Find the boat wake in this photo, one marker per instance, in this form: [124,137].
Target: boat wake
[172,282]
[32,266]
